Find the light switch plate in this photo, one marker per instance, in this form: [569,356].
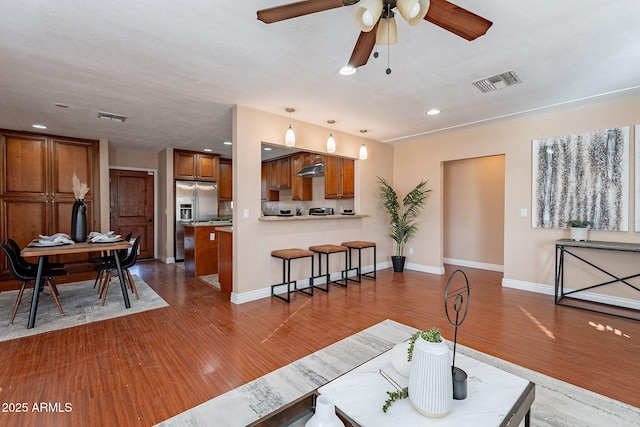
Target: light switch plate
[523,212]
[245,213]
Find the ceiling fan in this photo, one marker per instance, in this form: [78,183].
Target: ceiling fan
[378,15]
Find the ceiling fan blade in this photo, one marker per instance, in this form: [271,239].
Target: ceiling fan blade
[457,20]
[364,46]
[301,8]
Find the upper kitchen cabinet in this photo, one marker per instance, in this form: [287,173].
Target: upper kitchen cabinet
[301,188]
[280,174]
[267,194]
[339,175]
[196,166]
[312,159]
[225,185]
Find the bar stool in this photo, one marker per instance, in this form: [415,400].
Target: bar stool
[286,255]
[328,250]
[360,245]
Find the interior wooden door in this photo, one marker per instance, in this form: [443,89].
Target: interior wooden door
[131,206]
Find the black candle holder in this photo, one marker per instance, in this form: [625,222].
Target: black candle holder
[460,298]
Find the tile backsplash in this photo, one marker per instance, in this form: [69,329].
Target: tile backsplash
[286,202]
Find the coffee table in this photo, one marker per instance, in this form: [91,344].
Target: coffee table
[494,398]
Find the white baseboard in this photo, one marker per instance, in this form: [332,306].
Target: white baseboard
[587,296]
[167,260]
[474,264]
[424,268]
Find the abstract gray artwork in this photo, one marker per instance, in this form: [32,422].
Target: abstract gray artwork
[582,177]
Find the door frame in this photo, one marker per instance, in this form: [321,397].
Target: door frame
[155,201]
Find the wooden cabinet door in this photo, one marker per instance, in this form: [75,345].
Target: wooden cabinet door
[266,194]
[348,179]
[225,185]
[274,176]
[284,171]
[69,157]
[301,188]
[332,178]
[339,178]
[25,169]
[184,165]
[207,167]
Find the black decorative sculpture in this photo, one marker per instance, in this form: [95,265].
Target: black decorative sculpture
[458,298]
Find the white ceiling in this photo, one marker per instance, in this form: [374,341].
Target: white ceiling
[175,69]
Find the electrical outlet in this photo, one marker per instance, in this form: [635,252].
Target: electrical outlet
[523,212]
[410,251]
[212,236]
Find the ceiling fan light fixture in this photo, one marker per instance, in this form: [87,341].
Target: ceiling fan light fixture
[387,33]
[413,11]
[367,13]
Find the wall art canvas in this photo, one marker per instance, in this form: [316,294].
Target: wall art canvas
[582,177]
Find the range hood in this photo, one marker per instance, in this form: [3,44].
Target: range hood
[312,171]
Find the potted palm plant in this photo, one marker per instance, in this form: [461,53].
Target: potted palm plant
[402,216]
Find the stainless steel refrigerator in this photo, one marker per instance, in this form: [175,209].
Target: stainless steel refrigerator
[195,202]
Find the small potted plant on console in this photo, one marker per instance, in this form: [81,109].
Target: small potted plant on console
[579,229]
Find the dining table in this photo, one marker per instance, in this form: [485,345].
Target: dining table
[42,252]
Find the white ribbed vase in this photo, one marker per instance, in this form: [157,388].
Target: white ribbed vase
[430,383]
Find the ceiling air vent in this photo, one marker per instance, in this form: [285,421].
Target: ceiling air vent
[111,116]
[499,81]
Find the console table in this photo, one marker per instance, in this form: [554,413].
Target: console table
[567,247]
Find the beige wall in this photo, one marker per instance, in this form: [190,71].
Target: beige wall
[529,253]
[140,159]
[254,268]
[473,211]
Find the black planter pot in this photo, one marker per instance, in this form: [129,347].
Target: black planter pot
[398,263]
[79,222]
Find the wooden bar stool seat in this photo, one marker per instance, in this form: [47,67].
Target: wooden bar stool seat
[359,246]
[286,255]
[328,250]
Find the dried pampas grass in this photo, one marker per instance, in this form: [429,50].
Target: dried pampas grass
[79,189]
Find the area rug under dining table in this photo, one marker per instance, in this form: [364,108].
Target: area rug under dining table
[556,404]
[80,303]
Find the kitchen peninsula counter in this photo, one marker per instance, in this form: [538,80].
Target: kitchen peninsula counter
[225,258]
[269,218]
[201,248]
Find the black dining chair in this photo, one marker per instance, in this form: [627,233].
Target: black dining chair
[28,276]
[26,264]
[122,253]
[105,269]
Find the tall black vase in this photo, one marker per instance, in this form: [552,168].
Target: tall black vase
[79,221]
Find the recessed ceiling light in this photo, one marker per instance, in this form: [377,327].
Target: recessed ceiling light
[208,150]
[433,112]
[348,70]
[38,126]
[228,143]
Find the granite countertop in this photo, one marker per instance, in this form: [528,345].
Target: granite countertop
[308,217]
[224,229]
[207,224]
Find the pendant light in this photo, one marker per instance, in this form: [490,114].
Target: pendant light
[363,149]
[331,142]
[290,136]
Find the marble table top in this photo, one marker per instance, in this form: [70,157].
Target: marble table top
[491,396]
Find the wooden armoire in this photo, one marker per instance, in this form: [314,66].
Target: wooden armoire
[36,195]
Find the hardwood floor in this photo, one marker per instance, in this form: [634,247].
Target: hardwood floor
[141,369]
